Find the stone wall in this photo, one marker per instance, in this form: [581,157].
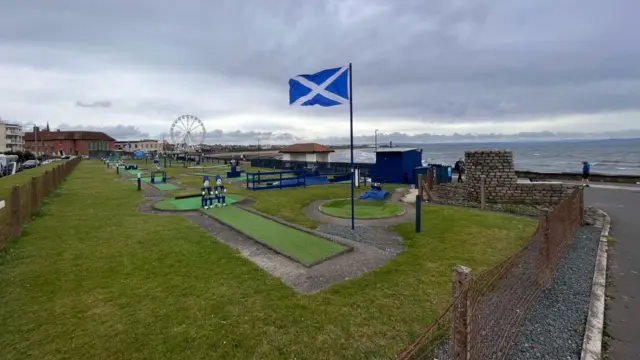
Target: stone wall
[501,183]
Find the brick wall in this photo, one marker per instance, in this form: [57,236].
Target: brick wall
[501,183]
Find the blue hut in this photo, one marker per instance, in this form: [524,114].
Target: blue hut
[395,165]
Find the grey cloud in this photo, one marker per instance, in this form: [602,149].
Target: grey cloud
[118,132]
[413,58]
[95,104]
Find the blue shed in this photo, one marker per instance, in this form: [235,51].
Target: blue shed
[393,164]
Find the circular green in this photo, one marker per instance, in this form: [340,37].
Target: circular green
[363,209]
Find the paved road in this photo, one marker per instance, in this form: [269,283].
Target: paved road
[622,203]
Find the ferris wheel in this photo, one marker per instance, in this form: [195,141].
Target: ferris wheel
[187,133]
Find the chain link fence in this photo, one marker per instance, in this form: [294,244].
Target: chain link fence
[487,311]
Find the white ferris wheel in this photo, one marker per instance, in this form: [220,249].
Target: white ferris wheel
[187,133]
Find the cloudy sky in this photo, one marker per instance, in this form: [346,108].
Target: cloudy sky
[420,67]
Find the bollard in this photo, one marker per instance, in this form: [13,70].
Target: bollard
[139,182]
[118,170]
[165,161]
[418,213]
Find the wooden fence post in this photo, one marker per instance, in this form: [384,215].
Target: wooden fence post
[483,194]
[35,204]
[430,179]
[16,225]
[461,313]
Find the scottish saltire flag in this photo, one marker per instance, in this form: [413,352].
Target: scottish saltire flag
[328,87]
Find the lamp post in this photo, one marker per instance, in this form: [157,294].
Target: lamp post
[376,138]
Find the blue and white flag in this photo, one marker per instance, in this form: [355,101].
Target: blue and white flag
[328,87]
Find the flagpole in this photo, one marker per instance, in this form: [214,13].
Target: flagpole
[353,173]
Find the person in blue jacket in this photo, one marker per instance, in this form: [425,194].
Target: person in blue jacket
[586,168]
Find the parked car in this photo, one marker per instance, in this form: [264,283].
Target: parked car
[29,164]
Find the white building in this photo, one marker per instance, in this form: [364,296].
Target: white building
[11,137]
[309,152]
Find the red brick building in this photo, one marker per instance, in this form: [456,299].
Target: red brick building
[68,142]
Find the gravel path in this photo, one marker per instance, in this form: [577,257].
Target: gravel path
[380,237]
[555,327]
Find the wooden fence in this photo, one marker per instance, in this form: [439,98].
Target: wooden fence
[25,200]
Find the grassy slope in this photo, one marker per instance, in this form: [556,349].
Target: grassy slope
[95,279]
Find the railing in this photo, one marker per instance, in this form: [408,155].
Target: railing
[25,199]
[484,318]
[336,167]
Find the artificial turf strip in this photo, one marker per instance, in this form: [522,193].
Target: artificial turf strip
[363,209]
[166,187]
[304,247]
[203,174]
[190,203]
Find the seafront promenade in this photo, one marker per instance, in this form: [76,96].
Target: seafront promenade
[622,203]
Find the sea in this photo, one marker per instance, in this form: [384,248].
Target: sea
[612,156]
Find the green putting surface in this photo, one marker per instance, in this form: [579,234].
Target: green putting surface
[190,203]
[304,247]
[363,209]
[166,187]
[147,179]
[203,174]
[134,171]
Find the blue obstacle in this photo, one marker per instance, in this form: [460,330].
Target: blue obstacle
[373,194]
[275,179]
[291,178]
[234,173]
[162,174]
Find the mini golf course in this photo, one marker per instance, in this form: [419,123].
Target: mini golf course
[159,185]
[189,203]
[300,246]
[363,209]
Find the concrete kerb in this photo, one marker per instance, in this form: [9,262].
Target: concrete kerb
[592,343]
[404,210]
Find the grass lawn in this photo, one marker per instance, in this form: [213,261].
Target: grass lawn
[23,177]
[92,278]
[304,247]
[190,203]
[363,209]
